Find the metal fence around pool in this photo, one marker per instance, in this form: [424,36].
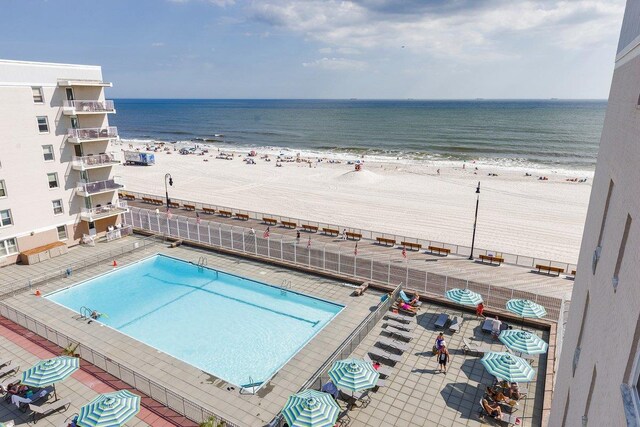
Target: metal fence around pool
[461,250]
[326,258]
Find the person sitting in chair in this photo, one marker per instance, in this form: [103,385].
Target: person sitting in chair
[493,409]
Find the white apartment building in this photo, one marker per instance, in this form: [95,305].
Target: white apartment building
[56,180]
[599,373]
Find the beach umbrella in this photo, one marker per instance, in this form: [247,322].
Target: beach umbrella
[353,374]
[50,371]
[526,308]
[463,296]
[109,410]
[523,341]
[508,367]
[311,408]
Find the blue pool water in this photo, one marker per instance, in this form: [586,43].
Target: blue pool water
[236,329]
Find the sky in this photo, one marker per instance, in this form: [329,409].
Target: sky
[368,49]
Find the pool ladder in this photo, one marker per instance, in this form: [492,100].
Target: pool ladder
[202,262]
[286,285]
[250,388]
[85,312]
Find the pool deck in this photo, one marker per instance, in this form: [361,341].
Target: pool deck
[414,396]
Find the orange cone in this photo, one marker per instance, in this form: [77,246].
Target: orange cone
[115,264]
[38,293]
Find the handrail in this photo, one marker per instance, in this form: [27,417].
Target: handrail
[93,133]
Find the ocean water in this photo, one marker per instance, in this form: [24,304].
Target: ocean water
[559,134]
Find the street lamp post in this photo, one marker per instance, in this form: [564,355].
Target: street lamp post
[166,189]
[475,221]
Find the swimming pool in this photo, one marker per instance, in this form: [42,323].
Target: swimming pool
[236,329]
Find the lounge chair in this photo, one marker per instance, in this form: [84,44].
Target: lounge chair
[403,311]
[456,323]
[48,408]
[406,299]
[487,326]
[442,320]
[398,318]
[380,384]
[5,383]
[384,355]
[384,371]
[400,334]
[360,290]
[9,370]
[389,343]
[38,395]
[475,346]
[400,326]
[343,418]
[506,420]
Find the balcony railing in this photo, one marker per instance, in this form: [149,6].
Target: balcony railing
[87,134]
[89,188]
[108,210]
[79,107]
[92,162]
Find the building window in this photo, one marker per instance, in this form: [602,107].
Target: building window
[3,188]
[596,254]
[47,151]
[57,207]
[5,218]
[576,354]
[38,97]
[62,232]
[43,124]
[53,180]
[8,247]
[592,387]
[623,245]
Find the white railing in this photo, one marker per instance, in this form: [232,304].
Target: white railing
[98,186]
[90,106]
[93,133]
[119,232]
[109,208]
[97,160]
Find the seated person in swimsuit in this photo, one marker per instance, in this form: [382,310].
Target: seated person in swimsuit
[492,409]
[404,306]
[514,391]
[499,397]
[415,300]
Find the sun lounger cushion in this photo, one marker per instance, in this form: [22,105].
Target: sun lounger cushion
[400,334]
[455,325]
[49,407]
[396,345]
[442,320]
[398,318]
[384,355]
[400,326]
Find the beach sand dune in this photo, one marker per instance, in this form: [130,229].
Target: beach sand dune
[517,214]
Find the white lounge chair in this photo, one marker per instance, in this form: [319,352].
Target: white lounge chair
[398,318]
[48,408]
[475,346]
[455,324]
[384,371]
[400,334]
[400,326]
[393,344]
[384,355]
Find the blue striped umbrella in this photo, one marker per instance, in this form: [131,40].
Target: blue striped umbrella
[311,408]
[526,308]
[50,371]
[508,367]
[109,410]
[463,296]
[353,374]
[523,341]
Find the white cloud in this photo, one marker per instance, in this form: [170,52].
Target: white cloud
[336,64]
[157,44]
[219,3]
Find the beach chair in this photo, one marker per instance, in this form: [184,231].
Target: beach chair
[38,395]
[393,344]
[380,384]
[506,420]
[403,311]
[400,334]
[9,370]
[343,418]
[384,371]
[442,320]
[384,355]
[456,323]
[48,408]
[400,326]
[474,346]
[406,299]
[487,326]
[398,318]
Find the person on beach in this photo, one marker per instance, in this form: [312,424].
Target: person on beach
[480,310]
[344,234]
[495,328]
[443,358]
[298,236]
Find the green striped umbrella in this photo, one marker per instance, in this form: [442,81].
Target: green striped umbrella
[311,408]
[353,374]
[463,296]
[50,371]
[526,308]
[508,367]
[523,341]
[109,410]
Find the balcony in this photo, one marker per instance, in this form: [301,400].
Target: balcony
[106,211]
[86,189]
[94,162]
[85,83]
[73,108]
[78,136]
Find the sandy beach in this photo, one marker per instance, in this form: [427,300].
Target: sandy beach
[518,214]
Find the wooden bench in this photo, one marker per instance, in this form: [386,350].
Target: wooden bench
[440,250]
[228,214]
[130,197]
[549,269]
[174,205]
[411,245]
[148,200]
[330,231]
[386,241]
[189,207]
[310,228]
[157,202]
[352,235]
[289,224]
[491,259]
[269,221]
[242,216]
[209,211]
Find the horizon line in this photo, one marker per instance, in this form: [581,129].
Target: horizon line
[369,99]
